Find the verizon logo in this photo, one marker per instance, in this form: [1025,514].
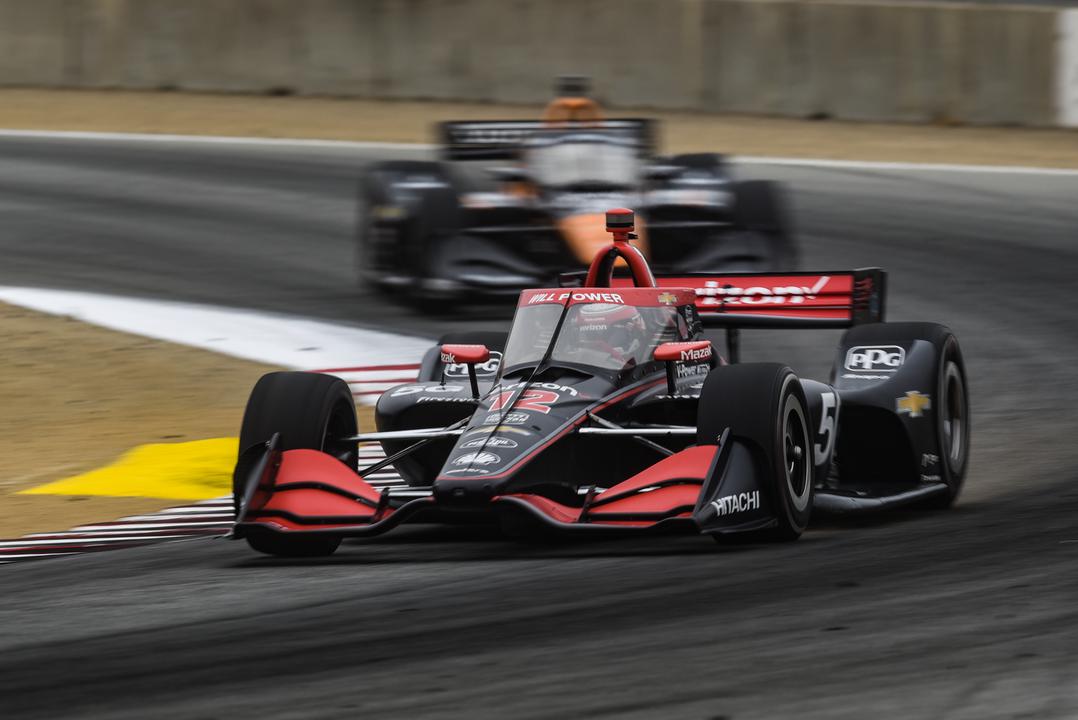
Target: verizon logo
[713,293]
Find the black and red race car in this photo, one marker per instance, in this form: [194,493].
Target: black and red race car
[436,232]
[609,412]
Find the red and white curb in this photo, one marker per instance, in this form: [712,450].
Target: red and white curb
[207,518]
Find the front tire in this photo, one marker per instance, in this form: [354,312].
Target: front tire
[765,407]
[308,411]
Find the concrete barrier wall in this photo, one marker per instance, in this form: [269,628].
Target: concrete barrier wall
[808,58]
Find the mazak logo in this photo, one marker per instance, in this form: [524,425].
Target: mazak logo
[477,458]
[696,354]
[741,502]
[460,370]
[714,293]
[875,358]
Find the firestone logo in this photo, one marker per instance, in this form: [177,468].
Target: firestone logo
[715,294]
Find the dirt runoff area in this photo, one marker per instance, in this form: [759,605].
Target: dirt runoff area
[371,120]
[77,397]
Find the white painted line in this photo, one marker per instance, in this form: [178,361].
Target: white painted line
[1067,68]
[83,541]
[151,526]
[268,338]
[904,166]
[211,140]
[184,519]
[423,147]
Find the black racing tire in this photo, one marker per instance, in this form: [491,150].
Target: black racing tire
[427,217]
[713,163]
[765,407]
[308,411]
[951,412]
[760,207]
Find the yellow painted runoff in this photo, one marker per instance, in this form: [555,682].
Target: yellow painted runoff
[196,470]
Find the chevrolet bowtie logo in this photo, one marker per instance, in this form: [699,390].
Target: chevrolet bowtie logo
[914,404]
[667,298]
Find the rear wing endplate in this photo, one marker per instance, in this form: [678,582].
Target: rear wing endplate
[784,300]
[502,139]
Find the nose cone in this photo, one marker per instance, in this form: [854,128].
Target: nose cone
[586,235]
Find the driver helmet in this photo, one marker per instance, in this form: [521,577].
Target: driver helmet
[615,329]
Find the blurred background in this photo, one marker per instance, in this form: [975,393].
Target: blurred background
[184,202]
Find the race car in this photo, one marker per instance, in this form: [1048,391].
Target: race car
[609,412]
[425,228]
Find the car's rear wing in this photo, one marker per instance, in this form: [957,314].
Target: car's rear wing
[501,139]
[784,300]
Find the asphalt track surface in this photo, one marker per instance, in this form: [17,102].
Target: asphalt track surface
[971,613]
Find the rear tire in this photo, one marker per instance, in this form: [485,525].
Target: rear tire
[308,411]
[428,216]
[764,406]
[760,207]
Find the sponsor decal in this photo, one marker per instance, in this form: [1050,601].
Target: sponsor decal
[477,458]
[444,399]
[407,390]
[445,388]
[460,370]
[530,400]
[696,354]
[599,297]
[497,428]
[683,371]
[741,502]
[929,460]
[447,358]
[875,358]
[931,478]
[825,436]
[667,298]
[493,442]
[857,376]
[714,294]
[914,404]
[468,471]
[416,389]
[594,327]
[513,418]
[546,386]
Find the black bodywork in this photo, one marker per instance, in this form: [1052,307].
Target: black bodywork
[432,228]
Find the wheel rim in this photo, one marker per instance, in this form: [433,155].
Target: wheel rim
[953,416]
[796,459]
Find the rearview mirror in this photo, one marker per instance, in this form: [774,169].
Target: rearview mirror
[695,352]
[470,355]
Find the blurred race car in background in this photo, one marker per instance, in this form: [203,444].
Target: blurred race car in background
[428,227]
[610,413]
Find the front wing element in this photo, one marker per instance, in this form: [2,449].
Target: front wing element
[705,488]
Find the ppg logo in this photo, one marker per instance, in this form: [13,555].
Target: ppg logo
[875,358]
[487,369]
